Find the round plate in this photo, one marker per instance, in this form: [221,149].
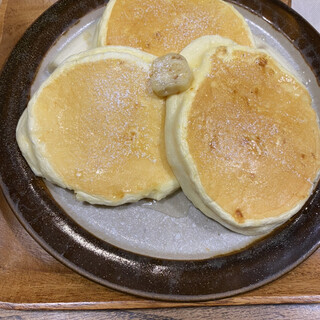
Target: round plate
[169,279]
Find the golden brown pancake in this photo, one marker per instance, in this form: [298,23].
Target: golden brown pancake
[96,127]
[243,141]
[164,26]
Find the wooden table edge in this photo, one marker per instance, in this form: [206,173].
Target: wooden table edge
[112,305]
[3,8]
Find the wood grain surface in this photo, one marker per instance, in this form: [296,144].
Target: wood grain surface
[31,279]
[292,312]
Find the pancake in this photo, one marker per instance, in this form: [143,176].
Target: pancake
[243,140]
[96,127]
[161,27]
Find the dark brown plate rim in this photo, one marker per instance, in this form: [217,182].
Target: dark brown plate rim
[63,238]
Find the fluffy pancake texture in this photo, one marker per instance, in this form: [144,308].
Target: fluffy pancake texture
[243,141]
[96,127]
[164,26]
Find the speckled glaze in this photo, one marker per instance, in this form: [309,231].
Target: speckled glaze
[180,280]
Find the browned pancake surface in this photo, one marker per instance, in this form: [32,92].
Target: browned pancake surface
[103,129]
[164,26]
[253,136]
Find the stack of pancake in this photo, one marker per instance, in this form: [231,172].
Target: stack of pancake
[242,141]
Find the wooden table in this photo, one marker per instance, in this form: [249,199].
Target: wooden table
[30,279]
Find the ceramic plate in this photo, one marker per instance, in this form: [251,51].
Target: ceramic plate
[168,249]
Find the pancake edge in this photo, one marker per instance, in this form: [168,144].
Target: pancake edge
[101,34]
